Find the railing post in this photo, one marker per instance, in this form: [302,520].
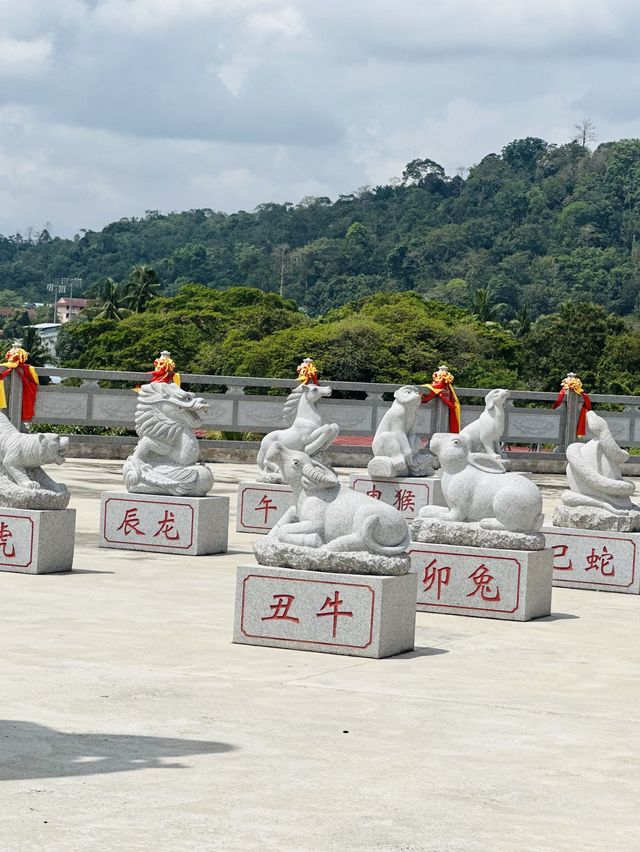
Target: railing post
[13,388]
[569,411]
[441,416]
[574,405]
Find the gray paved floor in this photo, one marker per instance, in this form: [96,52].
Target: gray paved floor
[131,722]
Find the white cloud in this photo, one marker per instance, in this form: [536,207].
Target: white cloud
[111,107]
[285,21]
[24,58]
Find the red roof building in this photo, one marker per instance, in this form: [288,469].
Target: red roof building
[67,309]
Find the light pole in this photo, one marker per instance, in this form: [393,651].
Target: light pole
[71,283]
[56,289]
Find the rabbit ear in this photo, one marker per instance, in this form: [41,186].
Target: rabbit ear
[490,400]
[466,441]
[481,461]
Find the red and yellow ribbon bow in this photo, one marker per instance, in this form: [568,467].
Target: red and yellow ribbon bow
[572,383]
[442,386]
[16,359]
[307,373]
[164,370]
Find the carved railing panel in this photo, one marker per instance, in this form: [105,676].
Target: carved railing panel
[244,404]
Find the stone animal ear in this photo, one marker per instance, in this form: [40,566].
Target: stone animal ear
[463,440]
[490,402]
[315,475]
[481,461]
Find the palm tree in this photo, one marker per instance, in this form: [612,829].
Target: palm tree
[482,307]
[142,286]
[111,300]
[38,352]
[521,323]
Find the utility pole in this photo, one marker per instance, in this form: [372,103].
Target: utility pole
[60,288]
[280,252]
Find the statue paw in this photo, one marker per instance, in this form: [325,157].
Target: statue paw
[434,512]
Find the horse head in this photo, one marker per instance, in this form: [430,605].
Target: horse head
[311,394]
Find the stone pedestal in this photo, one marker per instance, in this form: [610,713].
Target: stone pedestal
[261,505]
[193,526]
[37,541]
[514,585]
[590,559]
[407,493]
[353,614]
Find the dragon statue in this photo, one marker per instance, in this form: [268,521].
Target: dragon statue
[165,461]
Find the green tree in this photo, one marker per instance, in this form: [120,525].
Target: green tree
[521,323]
[483,307]
[112,301]
[524,154]
[38,352]
[140,288]
[571,340]
[418,172]
[11,299]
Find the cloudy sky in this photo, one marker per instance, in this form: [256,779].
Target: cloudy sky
[109,108]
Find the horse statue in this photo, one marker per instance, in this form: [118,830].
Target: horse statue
[306,432]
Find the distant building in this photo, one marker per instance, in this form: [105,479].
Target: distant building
[48,334]
[67,309]
[9,312]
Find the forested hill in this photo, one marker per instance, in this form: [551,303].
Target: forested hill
[532,226]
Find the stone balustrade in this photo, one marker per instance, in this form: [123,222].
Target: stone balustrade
[244,404]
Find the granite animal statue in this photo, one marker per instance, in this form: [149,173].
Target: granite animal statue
[484,433]
[599,497]
[477,488]
[23,483]
[329,515]
[397,450]
[165,458]
[306,432]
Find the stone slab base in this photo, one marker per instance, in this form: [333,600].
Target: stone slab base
[407,493]
[473,535]
[594,518]
[355,615]
[261,505]
[269,551]
[192,526]
[590,559]
[513,585]
[34,541]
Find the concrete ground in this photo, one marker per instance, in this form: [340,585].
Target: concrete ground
[130,721]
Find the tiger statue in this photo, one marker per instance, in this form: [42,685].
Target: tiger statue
[23,483]
[165,460]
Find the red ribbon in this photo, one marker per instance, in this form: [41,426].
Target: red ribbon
[164,376]
[581,428]
[447,397]
[29,389]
